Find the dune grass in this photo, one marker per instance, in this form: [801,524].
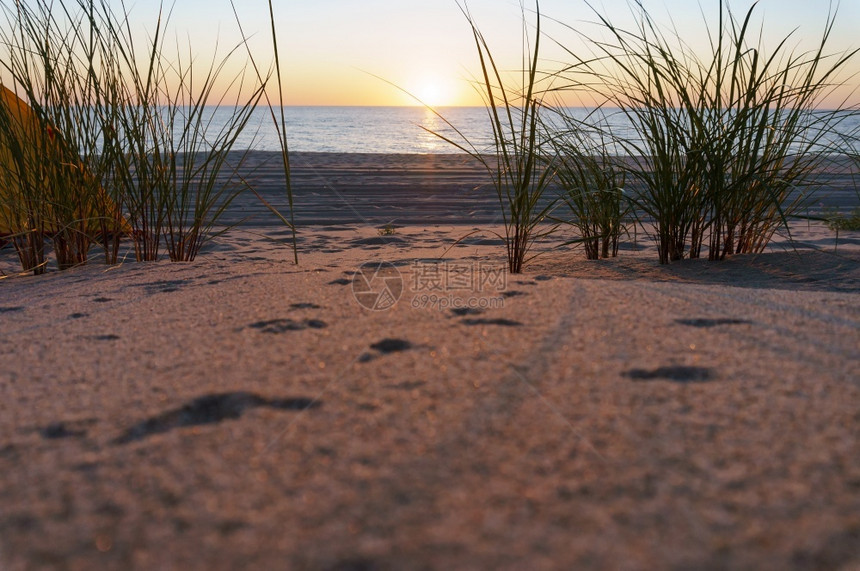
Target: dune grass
[515,164]
[519,175]
[177,173]
[279,122]
[50,61]
[591,180]
[122,141]
[726,144]
[844,222]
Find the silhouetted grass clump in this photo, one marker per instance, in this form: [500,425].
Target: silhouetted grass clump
[725,147]
[53,165]
[515,164]
[592,182]
[725,144]
[119,138]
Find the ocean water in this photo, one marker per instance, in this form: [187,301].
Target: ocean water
[395,129]
[410,130]
[366,129]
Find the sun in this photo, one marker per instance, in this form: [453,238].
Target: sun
[434,91]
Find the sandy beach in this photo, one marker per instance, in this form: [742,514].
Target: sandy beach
[401,402]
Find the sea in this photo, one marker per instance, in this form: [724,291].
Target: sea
[385,130]
[409,130]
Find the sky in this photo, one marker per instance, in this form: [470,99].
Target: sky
[371,52]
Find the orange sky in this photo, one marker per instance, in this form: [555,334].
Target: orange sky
[333,50]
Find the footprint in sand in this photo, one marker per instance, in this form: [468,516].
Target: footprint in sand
[389,345]
[386,346]
[464,311]
[679,374]
[513,293]
[57,430]
[497,321]
[210,409]
[283,325]
[105,337]
[706,322]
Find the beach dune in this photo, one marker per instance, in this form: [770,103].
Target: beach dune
[242,411]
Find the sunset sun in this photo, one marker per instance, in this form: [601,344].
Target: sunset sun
[435,92]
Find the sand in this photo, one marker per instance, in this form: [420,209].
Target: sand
[243,412]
